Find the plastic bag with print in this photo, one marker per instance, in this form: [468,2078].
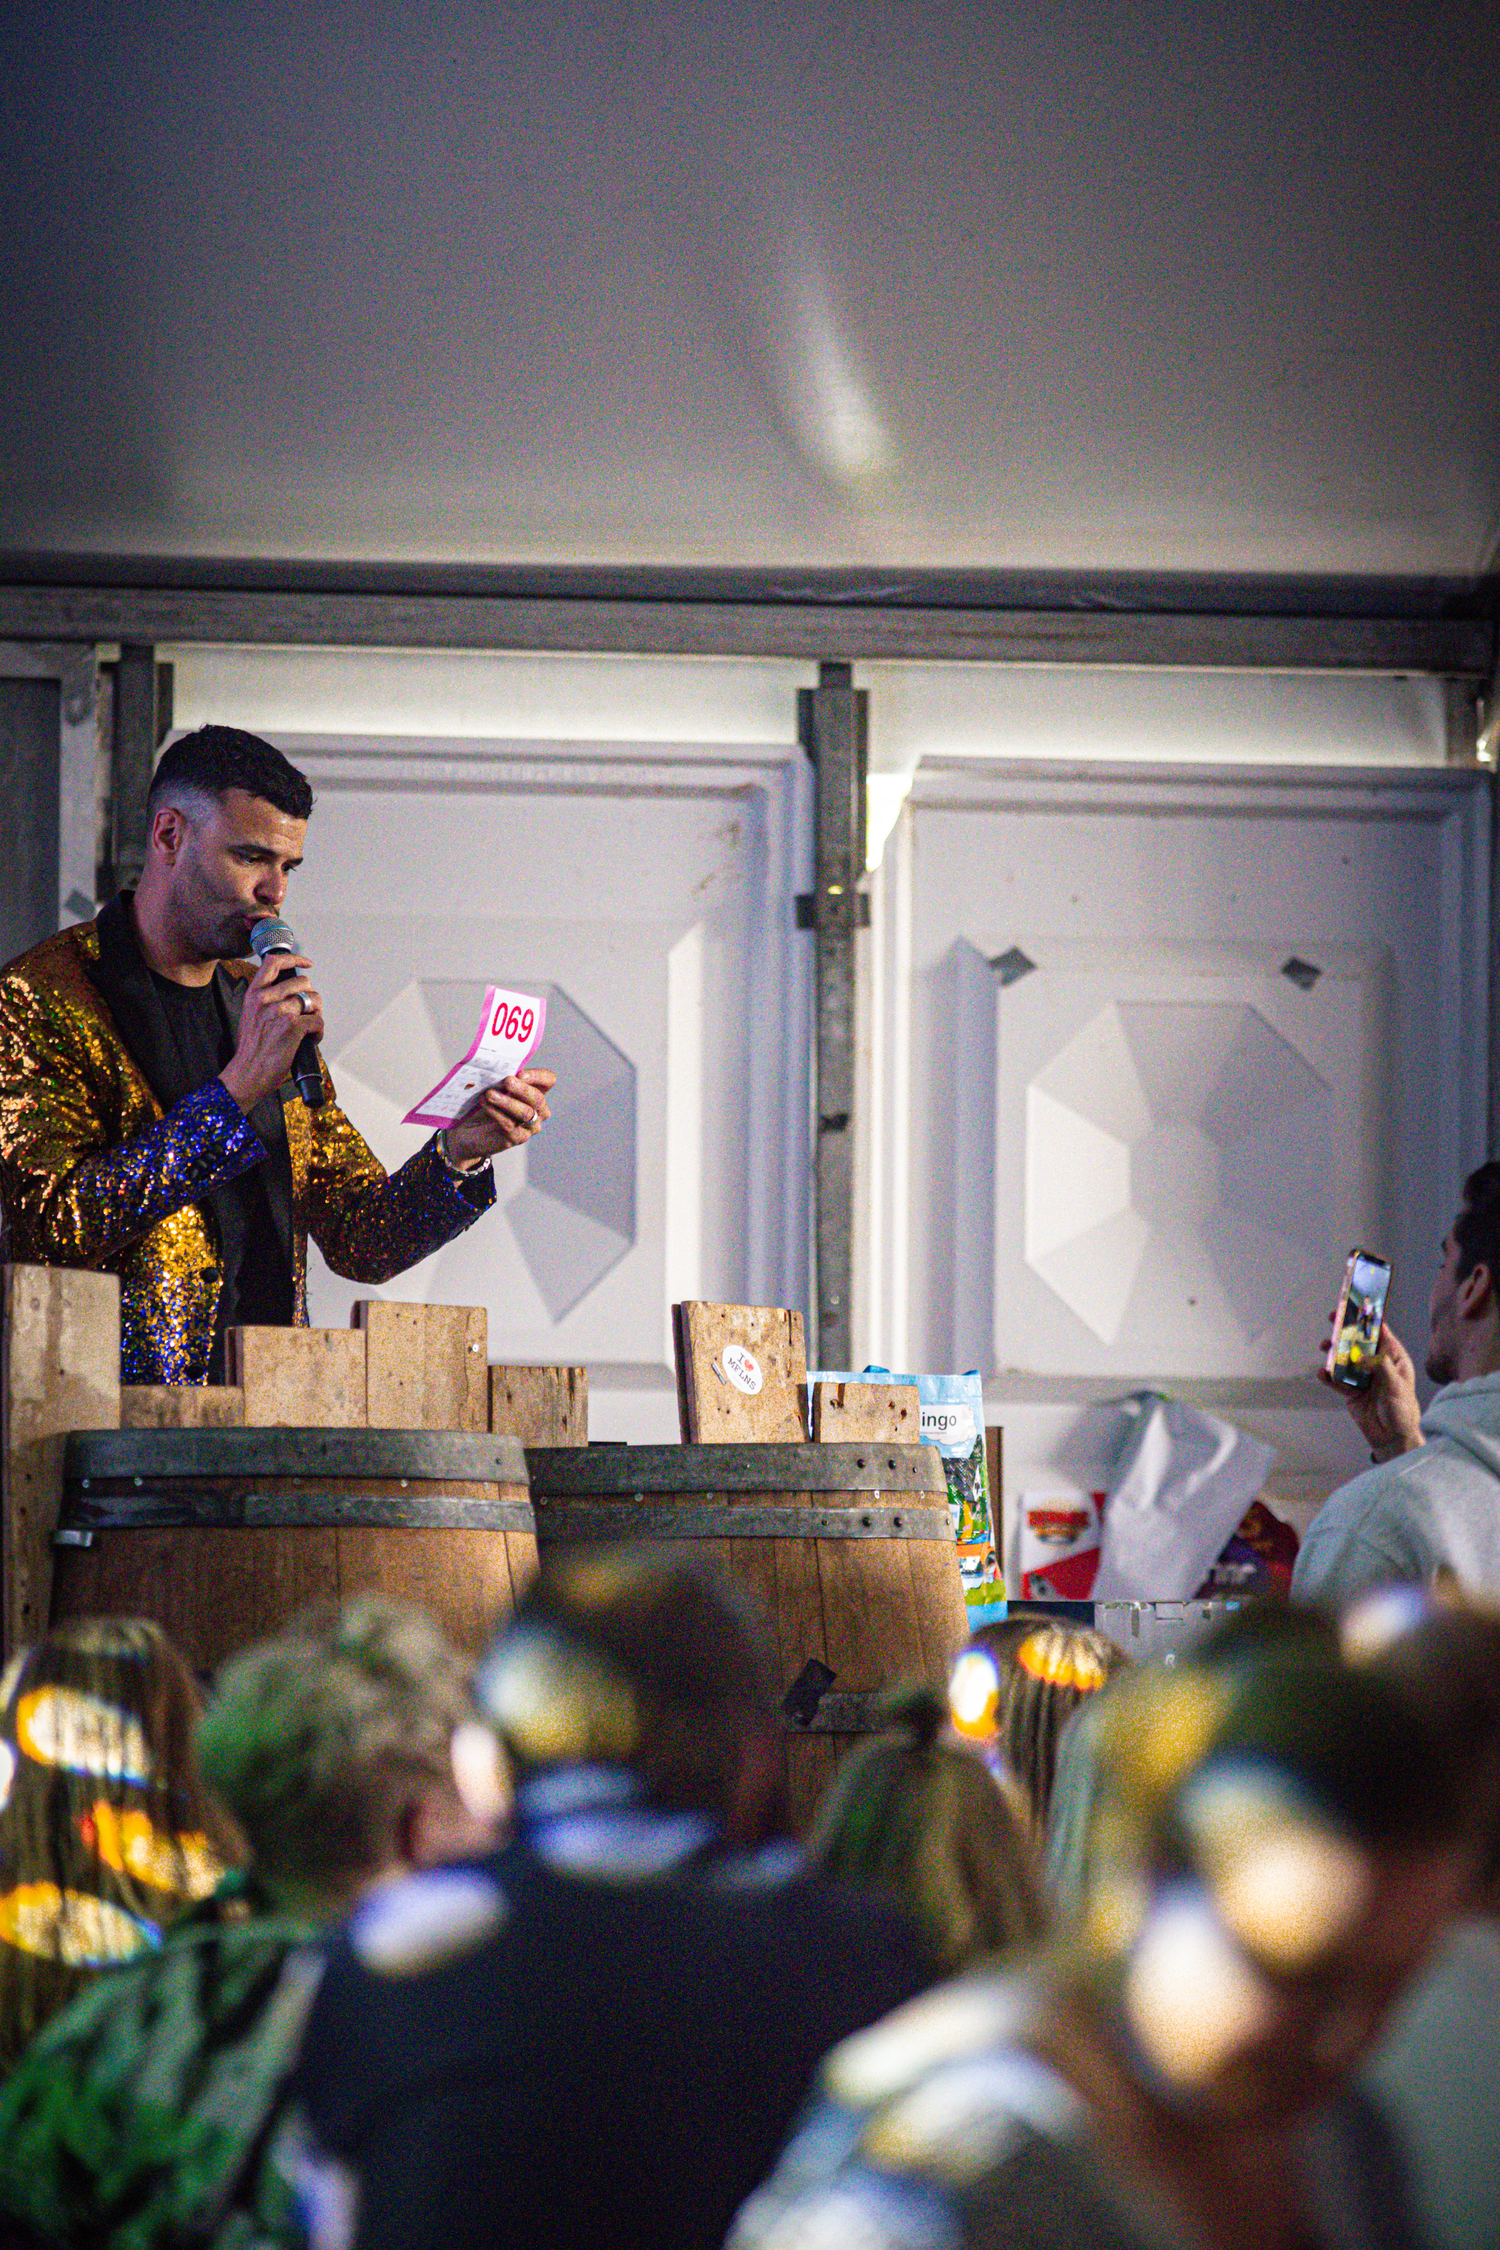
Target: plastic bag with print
[1180,1487]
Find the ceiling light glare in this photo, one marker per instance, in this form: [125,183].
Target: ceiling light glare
[825,397]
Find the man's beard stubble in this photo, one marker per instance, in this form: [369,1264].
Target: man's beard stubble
[218,933]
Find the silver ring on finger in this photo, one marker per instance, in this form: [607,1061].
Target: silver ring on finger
[304,1003]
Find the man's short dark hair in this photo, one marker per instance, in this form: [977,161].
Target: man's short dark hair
[1477,1227]
[213,760]
[638,1658]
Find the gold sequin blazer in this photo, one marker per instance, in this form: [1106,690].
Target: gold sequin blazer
[108,1161]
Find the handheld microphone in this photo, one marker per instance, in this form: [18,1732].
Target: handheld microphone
[278,937]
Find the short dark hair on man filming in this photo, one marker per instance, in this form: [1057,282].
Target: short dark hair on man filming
[213,760]
[1477,1227]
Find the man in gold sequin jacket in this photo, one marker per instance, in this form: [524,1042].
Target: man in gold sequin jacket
[122,1148]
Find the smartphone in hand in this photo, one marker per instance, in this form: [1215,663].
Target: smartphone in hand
[1358,1321]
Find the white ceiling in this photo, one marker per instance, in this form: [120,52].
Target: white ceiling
[1102,284]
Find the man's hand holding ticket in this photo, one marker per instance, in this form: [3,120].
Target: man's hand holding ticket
[491,1100]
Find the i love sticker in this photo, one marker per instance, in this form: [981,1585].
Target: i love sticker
[742,1368]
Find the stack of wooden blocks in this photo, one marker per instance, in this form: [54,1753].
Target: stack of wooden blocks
[401,1366]
[742,1380]
[714,1409]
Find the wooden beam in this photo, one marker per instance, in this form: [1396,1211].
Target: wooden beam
[132,759]
[801,624]
[834,730]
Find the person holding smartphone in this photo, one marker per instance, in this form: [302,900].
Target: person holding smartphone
[1430,1503]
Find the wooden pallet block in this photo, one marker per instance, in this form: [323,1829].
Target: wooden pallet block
[181,1406]
[541,1405]
[681,1354]
[59,1371]
[851,1411]
[426,1368]
[425,1365]
[742,1373]
[299,1378]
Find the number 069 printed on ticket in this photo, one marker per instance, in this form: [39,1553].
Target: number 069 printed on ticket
[509,1034]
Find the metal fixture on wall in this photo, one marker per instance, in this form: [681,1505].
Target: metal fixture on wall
[832,726]
[141,705]
[54,798]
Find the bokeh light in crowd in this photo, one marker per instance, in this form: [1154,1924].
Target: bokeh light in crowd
[974,1695]
[1286,1882]
[479,1771]
[1059,1663]
[557,1704]
[1192,1999]
[1381,1618]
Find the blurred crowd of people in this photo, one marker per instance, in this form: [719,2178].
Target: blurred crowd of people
[379,1950]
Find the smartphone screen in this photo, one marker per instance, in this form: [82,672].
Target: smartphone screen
[1359,1319]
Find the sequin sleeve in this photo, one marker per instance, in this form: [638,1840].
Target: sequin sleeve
[371,1224]
[72,1198]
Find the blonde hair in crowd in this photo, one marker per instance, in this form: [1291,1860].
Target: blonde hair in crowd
[1045,1671]
[925,1822]
[106,1828]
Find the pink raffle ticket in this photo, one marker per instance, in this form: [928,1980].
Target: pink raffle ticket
[509,1034]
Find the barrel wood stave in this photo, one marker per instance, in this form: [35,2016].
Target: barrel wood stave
[216,1583]
[878,1611]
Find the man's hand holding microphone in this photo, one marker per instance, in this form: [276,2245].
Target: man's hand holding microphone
[281,1011]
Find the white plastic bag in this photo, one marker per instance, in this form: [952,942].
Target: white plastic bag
[1180,1486]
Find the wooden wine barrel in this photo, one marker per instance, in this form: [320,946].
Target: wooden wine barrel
[848,1550]
[220,1535]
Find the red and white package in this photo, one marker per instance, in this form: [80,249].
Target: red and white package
[1060,1535]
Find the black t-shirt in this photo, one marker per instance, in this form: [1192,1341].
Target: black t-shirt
[583,2062]
[257,1288]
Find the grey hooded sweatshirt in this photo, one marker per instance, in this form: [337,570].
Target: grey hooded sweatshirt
[1437,1508]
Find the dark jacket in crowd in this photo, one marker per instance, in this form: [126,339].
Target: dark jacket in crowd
[517,2053]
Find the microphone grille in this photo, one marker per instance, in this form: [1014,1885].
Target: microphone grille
[272,937]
